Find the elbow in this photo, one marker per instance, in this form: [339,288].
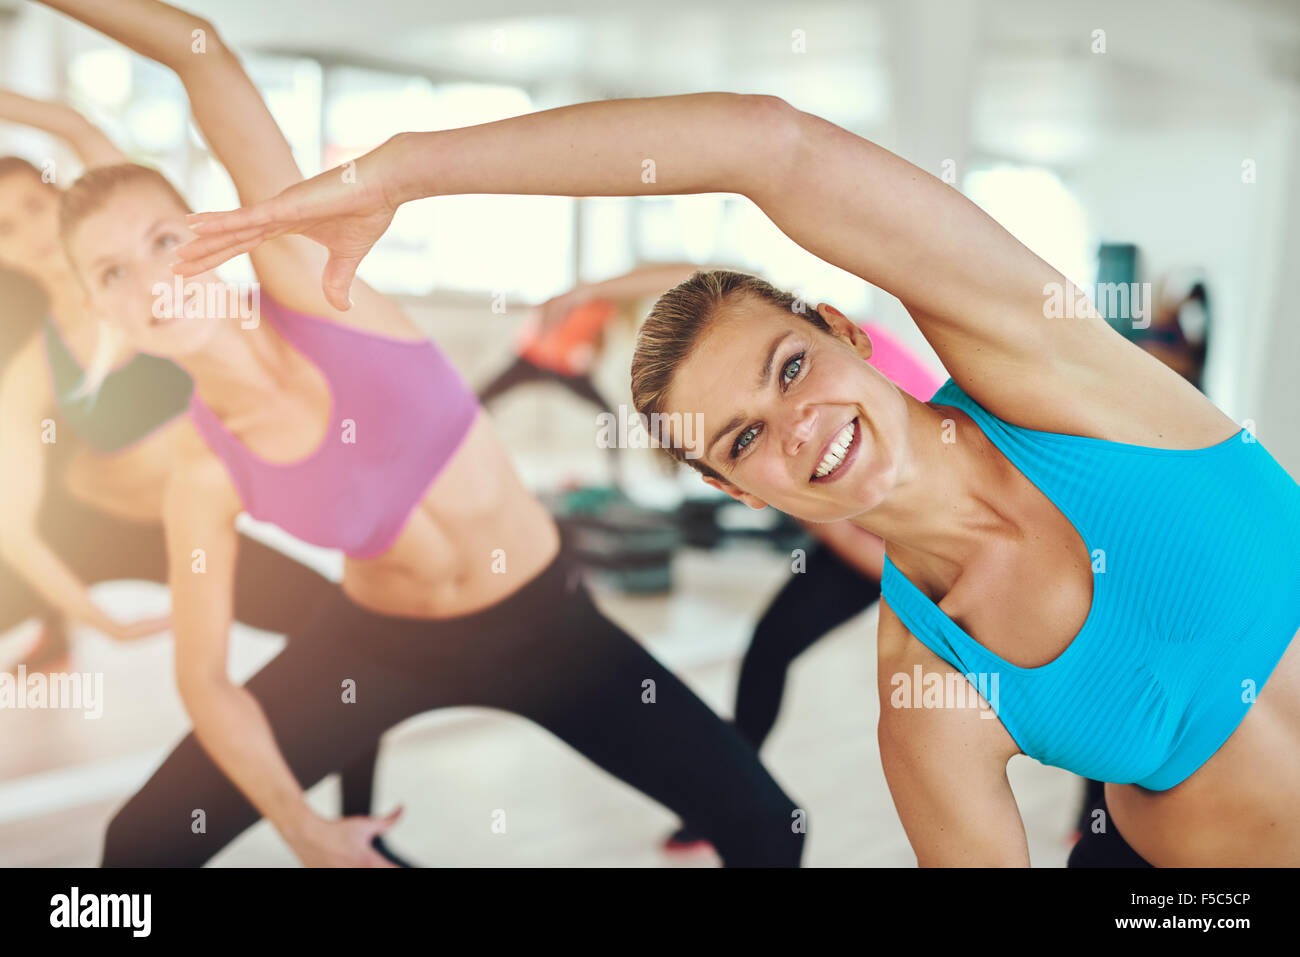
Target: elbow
[207,48]
[198,688]
[780,133]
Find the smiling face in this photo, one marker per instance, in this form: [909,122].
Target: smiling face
[794,417]
[123,250]
[29,223]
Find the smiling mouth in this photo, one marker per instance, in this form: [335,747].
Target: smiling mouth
[839,453]
[187,309]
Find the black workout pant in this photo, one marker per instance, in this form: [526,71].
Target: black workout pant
[272,591]
[1104,848]
[827,593]
[545,653]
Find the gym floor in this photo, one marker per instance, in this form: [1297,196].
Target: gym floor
[62,776]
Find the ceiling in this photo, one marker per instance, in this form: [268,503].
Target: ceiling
[1036,77]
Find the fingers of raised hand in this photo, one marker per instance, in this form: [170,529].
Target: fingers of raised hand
[222,249]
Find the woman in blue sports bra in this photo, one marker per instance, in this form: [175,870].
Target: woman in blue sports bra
[1148,643]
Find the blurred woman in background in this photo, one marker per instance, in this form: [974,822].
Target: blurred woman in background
[85,469]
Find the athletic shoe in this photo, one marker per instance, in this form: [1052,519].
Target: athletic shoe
[379,845]
[684,839]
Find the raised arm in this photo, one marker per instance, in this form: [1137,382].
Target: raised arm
[62,121]
[25,404]
[200,508]
[966,281]
[651,279]
[697,143]
[227,107]
[237,125]
[646,280]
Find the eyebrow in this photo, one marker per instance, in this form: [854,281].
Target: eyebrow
[763,374]
[148,232]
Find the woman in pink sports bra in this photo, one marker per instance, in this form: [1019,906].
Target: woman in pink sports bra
[351,431]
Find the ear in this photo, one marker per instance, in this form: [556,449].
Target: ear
[753,501]
[844,328]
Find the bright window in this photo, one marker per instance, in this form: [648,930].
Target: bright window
[1035,206]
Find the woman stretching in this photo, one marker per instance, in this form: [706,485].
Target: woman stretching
[351,431]
[94,513]
[1149,647]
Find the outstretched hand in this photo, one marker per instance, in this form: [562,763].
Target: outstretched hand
[344,842]
[341,209]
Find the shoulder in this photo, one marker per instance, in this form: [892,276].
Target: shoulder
[199,489]
[289,273]
[940,738]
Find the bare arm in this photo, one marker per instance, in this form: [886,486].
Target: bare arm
[968,283]
[241,131]
[648,280]
[62,121]
[697,143]
[946,766]
[25,405]
[202,544]
[200,508]
[849,201]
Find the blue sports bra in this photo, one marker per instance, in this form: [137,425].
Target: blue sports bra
[1196,596]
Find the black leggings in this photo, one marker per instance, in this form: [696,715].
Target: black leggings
[826,594]
[545,653]
[272,591]
[1106,848]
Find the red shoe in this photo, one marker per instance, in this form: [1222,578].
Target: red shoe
[684,839]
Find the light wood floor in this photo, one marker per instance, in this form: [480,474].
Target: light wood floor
[61,775]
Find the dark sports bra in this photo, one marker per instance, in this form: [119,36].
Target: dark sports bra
[133,402]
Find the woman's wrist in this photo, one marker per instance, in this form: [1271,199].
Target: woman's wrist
[402,166]
[294,819]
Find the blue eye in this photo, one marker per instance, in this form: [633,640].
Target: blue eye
[797,362]
[742,442]
[789,372]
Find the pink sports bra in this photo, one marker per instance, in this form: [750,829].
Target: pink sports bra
[399,411]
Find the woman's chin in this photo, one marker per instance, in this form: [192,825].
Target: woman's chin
[173,338]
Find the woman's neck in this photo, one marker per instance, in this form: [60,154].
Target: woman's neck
[948,499]
[236,370]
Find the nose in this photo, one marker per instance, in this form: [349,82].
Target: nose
[800,428]
[152,285]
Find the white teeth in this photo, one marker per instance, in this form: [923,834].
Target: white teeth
[835,454]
